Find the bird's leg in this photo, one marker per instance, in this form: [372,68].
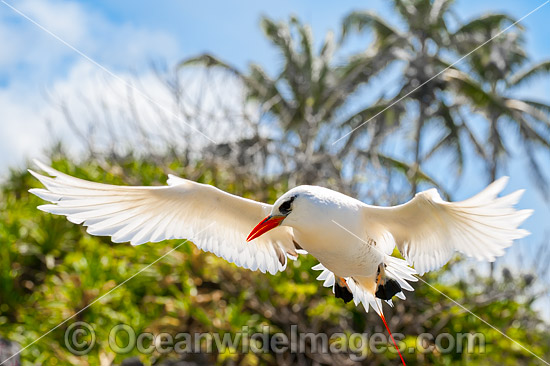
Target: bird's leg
[342,282]
[296,245]
[341,289]
[380,274]
[293,252]
[386,287]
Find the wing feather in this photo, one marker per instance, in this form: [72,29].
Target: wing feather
[214,220]
[428,230]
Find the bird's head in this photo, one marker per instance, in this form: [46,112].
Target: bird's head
[300,207]
[308,208]
[282,209]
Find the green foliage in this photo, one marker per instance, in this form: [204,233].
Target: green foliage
[51,269]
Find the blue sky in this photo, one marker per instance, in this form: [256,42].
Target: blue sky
[126,35]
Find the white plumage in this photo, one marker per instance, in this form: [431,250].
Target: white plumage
[349,238]
[428,230]
[214,220]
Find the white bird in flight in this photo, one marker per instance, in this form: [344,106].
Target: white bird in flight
[353,241]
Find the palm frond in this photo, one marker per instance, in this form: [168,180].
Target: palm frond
[208,61]
[521,77]
[361,20]
[451,140]
[538,111]
[543,107]
[484,23]
[539,177]
[472,90]
[478,146]
[404,169]
[306,43]
[438,10]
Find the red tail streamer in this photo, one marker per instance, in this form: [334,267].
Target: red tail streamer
[391,336]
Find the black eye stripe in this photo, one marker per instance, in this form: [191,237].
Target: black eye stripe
[286,206]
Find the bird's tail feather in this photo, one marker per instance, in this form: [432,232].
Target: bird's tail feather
[364,288]
[399,270]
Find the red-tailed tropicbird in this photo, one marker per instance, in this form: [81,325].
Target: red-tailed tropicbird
[353,241]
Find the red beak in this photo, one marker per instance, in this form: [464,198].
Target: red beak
[270,222]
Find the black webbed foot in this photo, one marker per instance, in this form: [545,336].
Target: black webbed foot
[342,292]
[387,290]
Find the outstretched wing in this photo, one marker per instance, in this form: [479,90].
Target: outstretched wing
[428,230]
[214,220]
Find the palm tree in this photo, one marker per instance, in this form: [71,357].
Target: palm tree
[423,47]
[486,84]
[308,100]
[495,72]
[419,48]
[308,97]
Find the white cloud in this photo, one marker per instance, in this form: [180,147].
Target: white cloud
[29,52]
[59,17]
[19,132]
[207,101]
[39,71]
[24,44]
